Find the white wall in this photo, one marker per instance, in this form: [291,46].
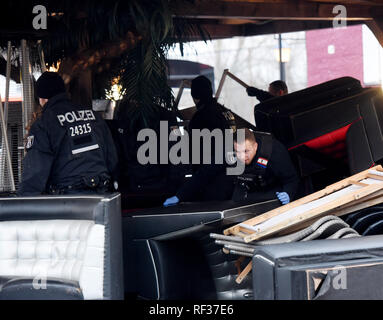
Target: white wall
[15,90]
[372,58]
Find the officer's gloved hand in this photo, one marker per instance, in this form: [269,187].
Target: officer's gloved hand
[251,91]
[171,201]
[283,197]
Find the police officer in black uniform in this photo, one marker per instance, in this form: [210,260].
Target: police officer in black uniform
[269,172]
[209,181]
[69,148]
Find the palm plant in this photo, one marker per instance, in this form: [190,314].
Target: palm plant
[121,39]
[143,70]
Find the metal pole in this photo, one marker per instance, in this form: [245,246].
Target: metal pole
[26,73]
[7,82]
[7,154]
[6,157]
[42,59]
[281,63]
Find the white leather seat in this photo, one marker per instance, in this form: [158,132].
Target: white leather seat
[64,249]
[69,245]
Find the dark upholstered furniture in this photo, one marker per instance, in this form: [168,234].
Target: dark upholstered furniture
[320,269]
[61,247]
[174,258]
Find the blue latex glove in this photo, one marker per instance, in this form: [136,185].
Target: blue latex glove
[283,197]
[171,201]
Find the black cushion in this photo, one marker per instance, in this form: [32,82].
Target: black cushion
[38,289]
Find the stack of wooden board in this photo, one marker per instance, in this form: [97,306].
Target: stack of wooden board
[359,191]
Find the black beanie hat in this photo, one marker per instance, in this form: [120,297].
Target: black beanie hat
[49,84]
[201,88]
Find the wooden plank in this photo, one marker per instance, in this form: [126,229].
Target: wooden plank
[374,195]
[243,84]
[374,176]
[245,230]
[270,214]
[314,196]
[221,82]
[231,230]
[368,201]
[242,234]
[225,251]
[363,203]
[237,264]
[372,201]
[357,194]
[360,206]
[244,273]
[357,183]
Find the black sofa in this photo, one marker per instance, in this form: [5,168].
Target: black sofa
[320,270]
[168,253]
[332,130]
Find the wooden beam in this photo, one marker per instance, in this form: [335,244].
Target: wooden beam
[364,2]
[316,212]
[214,9]
[335,2]
[220,31]
[282,26]
[311,197]
[348,2]
[244,273]
[376,26]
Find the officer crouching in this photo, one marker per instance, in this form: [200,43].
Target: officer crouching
[69,148]
[269,172]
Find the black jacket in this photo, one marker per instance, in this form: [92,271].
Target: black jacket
[66,144]
[261,95]
[280,174]
[141,177]
[210,115]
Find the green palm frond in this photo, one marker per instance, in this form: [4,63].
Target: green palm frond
[88,25]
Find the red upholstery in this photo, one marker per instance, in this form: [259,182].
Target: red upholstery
[332,144]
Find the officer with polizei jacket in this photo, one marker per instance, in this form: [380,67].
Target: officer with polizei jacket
[269,172]
[209,181]
[69,148]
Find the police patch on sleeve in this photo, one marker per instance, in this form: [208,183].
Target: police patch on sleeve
[30,140]
[262,162]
